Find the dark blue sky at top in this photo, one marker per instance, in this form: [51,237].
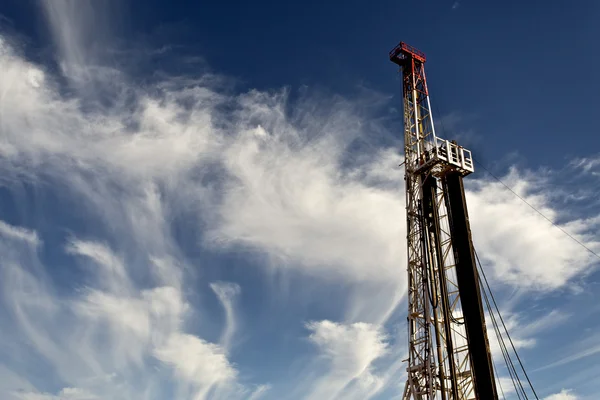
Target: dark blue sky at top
[523,75]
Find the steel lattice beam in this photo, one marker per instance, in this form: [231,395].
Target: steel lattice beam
[441,364]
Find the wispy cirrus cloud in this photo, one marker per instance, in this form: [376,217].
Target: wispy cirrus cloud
[64,394]
[18,233]
[563,395]
[589,165]
[525,249]
[350,349]
[227,293]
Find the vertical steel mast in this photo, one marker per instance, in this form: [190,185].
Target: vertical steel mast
[449,357]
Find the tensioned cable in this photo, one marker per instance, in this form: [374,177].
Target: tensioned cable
[504,325]
[522,199]
[536,210]
[496,327]
[507,360]
[512,372]
[498,379]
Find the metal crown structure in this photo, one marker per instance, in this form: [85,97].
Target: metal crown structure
[449,357]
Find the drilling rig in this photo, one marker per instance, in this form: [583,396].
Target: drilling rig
[449,355]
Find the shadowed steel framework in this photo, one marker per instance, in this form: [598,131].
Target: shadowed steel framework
[449,356]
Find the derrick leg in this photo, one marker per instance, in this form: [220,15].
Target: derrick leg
[468,284]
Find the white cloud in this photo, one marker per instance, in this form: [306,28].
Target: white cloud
[504,385]
[196,361]
[286,192]
[299,205]
[64,394]
[259,392]
[523,330]
[563,395]
[118,333]
[350,350]
[128,323]
[18,233]
[114,325]
[111,271]
[227,292]
[590,165]
[81,31]
[152,325]
[523,248]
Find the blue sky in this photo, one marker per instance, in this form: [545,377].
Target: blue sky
[203,200]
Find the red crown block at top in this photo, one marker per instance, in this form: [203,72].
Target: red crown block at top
[401,53]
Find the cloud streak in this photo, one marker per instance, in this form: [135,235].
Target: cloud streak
[227,292]
[563,395]
[18,233]
[350,349]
